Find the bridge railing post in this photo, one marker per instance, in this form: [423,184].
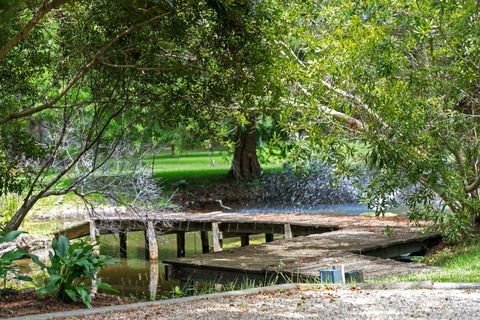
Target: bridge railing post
[122,236]
[217,237]
[94,237]
[287,232]
[151,241]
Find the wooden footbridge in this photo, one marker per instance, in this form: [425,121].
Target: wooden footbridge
[309,243]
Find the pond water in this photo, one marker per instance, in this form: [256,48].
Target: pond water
[346,208]
[135,276]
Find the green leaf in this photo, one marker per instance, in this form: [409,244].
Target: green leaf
[42,292]
[63,246]
[12,235]
[85,296]
[14,255]
[106,287]
[37,261]
[23,278]
[71,294]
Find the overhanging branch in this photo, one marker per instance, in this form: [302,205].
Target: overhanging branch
[50,104]
[41,13]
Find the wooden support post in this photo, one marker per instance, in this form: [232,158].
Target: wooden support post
[269,237]
[245,240]
[180,244]
[152,242]
[287,232]
[153,280]
[147,249]
[94,288]
[94,237]
[204,238]
[122,235]
[217,237]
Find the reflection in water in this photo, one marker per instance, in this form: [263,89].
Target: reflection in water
[135,276]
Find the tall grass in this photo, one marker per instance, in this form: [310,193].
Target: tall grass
[9,204]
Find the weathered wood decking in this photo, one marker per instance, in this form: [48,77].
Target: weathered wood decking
[234,223]
[302,257]
[311,242]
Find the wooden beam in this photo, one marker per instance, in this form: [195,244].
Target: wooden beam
[205,244]
[152,242]
[122,235]
[180,244]
[244,240]
[74,232]
[269,237]
[217,237]
[287,232]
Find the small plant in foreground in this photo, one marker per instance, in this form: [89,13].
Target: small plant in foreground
[8,268]
[72,268]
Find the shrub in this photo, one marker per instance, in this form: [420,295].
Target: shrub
[8,267]
[73,267]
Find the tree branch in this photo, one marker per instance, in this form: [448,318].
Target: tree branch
[473,186]
[80,75]
[356,100]
[140,68]
[352,122]
[41,13]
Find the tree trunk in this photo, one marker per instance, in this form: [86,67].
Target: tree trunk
[245,164]
[20,215]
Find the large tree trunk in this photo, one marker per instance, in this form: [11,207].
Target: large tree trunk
[20,215]
[245,164]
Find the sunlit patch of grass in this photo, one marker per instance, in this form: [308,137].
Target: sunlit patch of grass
[456,264]
[195,167]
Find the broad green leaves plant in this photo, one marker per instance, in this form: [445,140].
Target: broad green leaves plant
[72,269]
[8,268]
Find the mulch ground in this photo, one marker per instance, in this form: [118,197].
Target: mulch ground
[202,199]
[26,302]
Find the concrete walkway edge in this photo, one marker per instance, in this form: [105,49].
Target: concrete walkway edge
[84,312]
[425,285]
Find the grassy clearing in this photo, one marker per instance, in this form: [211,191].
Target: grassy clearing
[458,264]
[196,167]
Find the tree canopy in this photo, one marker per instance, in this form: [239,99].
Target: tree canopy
[402,78]
[386,86]
[87,75]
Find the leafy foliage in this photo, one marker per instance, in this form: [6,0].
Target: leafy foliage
[8,268]
[401,77]
[72,266]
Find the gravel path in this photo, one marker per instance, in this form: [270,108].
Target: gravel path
[316,303]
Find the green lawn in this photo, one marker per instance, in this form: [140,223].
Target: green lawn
[195,167]
[458,264]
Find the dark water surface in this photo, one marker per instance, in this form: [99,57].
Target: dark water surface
[136,276]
